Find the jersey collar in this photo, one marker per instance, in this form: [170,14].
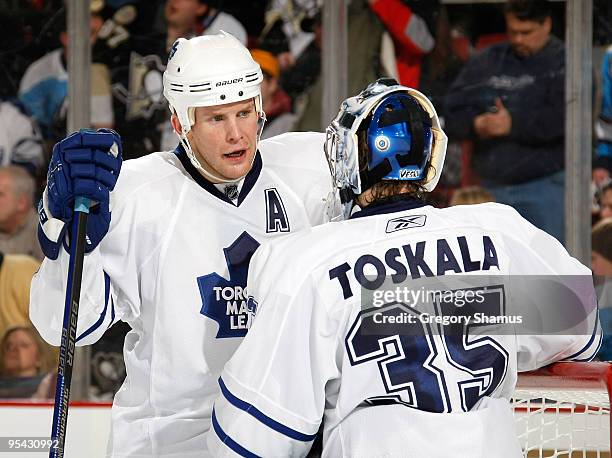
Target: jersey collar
[393,204]
[249,180]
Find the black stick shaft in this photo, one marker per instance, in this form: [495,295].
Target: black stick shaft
[69,335]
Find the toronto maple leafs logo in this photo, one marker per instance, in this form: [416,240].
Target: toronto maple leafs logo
[226,301]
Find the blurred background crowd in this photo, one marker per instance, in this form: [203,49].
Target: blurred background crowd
[495,72]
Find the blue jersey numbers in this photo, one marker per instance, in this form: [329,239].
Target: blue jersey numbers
[413,351]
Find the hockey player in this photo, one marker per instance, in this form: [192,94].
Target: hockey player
[392,373]
[169,242]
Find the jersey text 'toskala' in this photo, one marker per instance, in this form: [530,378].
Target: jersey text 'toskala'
[411,258]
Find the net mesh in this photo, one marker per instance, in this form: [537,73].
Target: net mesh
[564,411]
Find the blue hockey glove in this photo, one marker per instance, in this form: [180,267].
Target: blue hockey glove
[84,164]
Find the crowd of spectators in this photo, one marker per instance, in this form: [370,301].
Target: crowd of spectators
[494,72]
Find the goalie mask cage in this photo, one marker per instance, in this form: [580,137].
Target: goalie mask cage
[563,410]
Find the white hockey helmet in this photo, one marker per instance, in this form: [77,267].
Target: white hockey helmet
[209,70]
[390,141]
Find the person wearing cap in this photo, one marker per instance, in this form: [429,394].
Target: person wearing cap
[170,240]
[276,102]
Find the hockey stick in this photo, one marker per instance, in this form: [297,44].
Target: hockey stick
[69,328]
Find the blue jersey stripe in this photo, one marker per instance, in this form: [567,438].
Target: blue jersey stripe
[263,418]
[231,443]
[590,358]
[98,323]
[112,313]
[589,343]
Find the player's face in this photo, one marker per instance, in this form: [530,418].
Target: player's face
[527,37]
[224,138]
[20,354]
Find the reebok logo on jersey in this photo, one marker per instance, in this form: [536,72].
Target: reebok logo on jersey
[405,222]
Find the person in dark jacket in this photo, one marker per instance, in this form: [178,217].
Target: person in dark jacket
[510,101]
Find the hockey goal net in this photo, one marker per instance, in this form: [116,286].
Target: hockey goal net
[563,410]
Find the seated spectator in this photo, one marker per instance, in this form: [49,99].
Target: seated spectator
[188,18]
[24,362]
[276,103]
[302,72]
[601,176]
[214,21]
[605,201]
[601,262]
[44,88]
[183,19]
[289,29]
[16,272]
[18,219]
[20,141]
[602,170]
[471,195]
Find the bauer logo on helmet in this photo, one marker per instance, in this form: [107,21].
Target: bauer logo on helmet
[224,83]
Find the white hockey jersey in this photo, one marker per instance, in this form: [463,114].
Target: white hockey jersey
[330,343]
[173,266]
[20,141]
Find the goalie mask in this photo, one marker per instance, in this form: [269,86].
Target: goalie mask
[403,136]
[206,71]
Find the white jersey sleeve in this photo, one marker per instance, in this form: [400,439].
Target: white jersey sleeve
[110,288]
[543,255]
[257,412]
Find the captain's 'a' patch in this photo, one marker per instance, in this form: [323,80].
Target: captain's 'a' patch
[276,215]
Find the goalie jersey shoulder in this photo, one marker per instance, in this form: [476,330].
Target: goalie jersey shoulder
[492,238]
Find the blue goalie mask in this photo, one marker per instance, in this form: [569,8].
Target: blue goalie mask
[403,136]
[399,140]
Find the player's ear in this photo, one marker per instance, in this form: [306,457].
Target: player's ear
[176,125]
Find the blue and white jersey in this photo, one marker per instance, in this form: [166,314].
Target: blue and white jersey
[44,89]
[377,364]
[174,266]
[20,141]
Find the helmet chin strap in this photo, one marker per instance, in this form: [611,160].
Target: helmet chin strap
[211,176]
